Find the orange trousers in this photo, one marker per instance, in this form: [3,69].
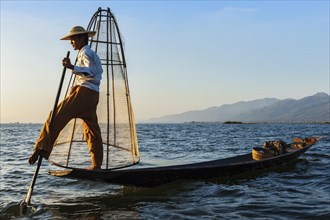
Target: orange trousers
[81,103]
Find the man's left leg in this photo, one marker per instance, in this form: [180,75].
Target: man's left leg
[92,133]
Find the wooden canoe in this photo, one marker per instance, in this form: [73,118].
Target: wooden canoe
[154,176]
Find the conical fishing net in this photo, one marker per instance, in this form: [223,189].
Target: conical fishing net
[114,111]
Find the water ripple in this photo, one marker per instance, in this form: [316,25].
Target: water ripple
[299,190]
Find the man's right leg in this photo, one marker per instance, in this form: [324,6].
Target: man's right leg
[50,132]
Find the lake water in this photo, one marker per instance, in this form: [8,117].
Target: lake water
[299,190]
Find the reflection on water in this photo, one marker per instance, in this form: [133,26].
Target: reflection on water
[299,190]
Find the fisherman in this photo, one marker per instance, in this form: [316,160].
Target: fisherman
[81,102]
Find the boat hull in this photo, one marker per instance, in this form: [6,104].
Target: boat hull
[154,176]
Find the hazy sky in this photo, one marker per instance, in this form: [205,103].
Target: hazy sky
[181,55]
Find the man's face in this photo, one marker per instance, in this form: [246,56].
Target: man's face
[77,42]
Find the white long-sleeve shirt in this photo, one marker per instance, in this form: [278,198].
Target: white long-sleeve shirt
[88,69]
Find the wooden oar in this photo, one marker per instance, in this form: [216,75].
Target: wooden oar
[29,194]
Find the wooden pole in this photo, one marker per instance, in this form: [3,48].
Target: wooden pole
[29,194]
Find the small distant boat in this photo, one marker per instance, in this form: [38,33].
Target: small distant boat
[154,176]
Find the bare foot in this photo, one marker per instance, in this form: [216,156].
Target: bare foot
[34,157]
[94,168]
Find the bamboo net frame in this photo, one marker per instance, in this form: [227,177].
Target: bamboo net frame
[114,111]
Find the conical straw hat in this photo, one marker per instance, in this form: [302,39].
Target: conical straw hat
[78,30]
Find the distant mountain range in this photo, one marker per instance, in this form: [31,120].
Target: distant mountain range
[314,108]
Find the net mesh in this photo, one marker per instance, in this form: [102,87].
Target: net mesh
[114,111]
